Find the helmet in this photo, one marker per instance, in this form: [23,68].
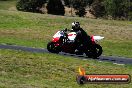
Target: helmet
[75,25]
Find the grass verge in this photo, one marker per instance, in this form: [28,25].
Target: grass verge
[24,69]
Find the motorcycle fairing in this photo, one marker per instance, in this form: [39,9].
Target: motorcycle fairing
[72,36]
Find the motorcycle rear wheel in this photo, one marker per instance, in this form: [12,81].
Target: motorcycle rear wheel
[98,50]
[95,52]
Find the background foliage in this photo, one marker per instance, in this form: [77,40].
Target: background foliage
[114,9]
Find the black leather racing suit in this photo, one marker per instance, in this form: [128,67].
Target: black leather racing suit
[82,38]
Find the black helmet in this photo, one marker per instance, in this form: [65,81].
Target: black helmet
[75,25]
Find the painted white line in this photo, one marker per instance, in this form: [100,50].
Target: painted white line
[100,61]
[118,64]
[84,59]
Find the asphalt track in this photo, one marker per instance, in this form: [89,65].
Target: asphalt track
[114,60]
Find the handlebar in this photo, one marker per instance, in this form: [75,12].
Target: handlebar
[65,30]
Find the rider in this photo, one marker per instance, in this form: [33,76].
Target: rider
[81,38]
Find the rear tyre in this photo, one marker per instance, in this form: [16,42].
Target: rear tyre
[98,50]
[52,48]
[95,52]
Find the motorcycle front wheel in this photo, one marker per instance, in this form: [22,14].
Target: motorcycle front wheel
[51,47]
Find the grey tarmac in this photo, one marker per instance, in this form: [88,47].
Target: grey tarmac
[113,59]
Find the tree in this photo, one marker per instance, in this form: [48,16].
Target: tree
[71,2]
[81,12]
[97,8]
[67,3]
[130,10]
[55,7]
[117,8]
[30,5]
[78,5]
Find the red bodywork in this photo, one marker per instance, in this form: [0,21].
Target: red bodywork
[69,48]
[66,47]
[55,39]
[92,39]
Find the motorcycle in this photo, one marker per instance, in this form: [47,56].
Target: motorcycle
[65,42]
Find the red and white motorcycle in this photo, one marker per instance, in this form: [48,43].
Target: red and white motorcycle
[64,42]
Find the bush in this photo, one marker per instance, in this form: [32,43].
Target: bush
[130,16]
[30,5]
[81,12]
[117,8]
[97,8]
[80,6]
[55,7]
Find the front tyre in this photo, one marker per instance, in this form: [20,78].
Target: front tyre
[51,47]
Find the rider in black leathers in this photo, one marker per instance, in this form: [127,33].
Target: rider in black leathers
[81,38]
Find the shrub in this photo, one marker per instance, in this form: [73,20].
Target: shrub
[30,5]
[55,7]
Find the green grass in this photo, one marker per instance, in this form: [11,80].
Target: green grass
[117,48]
[24,69]
[28,70]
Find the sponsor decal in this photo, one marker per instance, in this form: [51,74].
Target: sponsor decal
[83,78]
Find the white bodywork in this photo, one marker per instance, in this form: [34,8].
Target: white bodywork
[58,34]
[72,36]
[97,38]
